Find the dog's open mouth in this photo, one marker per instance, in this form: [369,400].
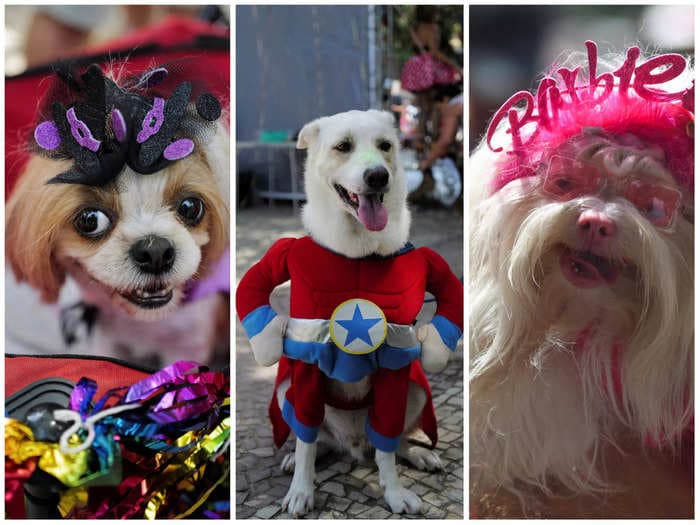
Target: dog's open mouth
[150,297]
[368,207]
[585,269]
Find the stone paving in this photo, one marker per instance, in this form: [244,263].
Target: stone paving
[344,489]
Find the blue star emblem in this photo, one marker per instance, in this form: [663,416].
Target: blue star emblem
[358,327]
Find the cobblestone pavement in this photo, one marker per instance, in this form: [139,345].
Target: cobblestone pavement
[344,489]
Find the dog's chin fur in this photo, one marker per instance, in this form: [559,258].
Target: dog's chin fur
[543,399]
[43,246]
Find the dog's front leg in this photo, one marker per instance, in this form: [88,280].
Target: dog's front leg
[300,496]
[399,498]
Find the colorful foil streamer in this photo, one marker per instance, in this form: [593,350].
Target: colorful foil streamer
[166,458]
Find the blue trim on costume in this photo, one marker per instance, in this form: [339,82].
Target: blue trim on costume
[408,247]
[449,332]
[256,321]
[380,442]
[305,433]
[340,365]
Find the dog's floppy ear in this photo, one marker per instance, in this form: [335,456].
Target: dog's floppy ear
[308,134]
[33,217]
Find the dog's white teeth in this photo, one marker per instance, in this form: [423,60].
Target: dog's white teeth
[143,294]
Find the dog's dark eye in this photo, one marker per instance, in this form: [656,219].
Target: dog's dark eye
[384,145]
[91,222]
[191,210]
[343,147]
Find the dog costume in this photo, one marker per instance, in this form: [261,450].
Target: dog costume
[349,319]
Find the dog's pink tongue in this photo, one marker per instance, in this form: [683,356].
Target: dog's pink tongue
[372,212]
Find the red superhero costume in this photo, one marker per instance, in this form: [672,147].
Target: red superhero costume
[321,280]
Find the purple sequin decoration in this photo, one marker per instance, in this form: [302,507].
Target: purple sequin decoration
[118,125]
[47,136]
[178,149]
[152,121]
[81,133]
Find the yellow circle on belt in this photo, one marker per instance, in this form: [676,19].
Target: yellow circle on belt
[358,326]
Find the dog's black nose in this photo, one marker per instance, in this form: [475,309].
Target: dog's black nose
[376,178]
[153,254]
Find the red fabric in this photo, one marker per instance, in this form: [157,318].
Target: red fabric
[387,413]
[303,394]
[24,93]
[427,421]
[423,71]
[321,280]
[21,371]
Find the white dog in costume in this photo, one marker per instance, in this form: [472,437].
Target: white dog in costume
[351,367]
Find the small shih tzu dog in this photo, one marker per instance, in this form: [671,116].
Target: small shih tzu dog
[127,194]
[581,255]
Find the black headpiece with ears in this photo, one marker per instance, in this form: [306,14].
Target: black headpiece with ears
[106,126]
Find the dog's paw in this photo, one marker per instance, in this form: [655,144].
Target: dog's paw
[422,458]
[299,499]
[401,500]
[287,465]
[434,353]
[268,344]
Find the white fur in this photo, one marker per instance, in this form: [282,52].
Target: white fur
[300,496]
[400,499]
[332,223]
[540,408]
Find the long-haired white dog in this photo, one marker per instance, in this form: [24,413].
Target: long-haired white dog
[581,289]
